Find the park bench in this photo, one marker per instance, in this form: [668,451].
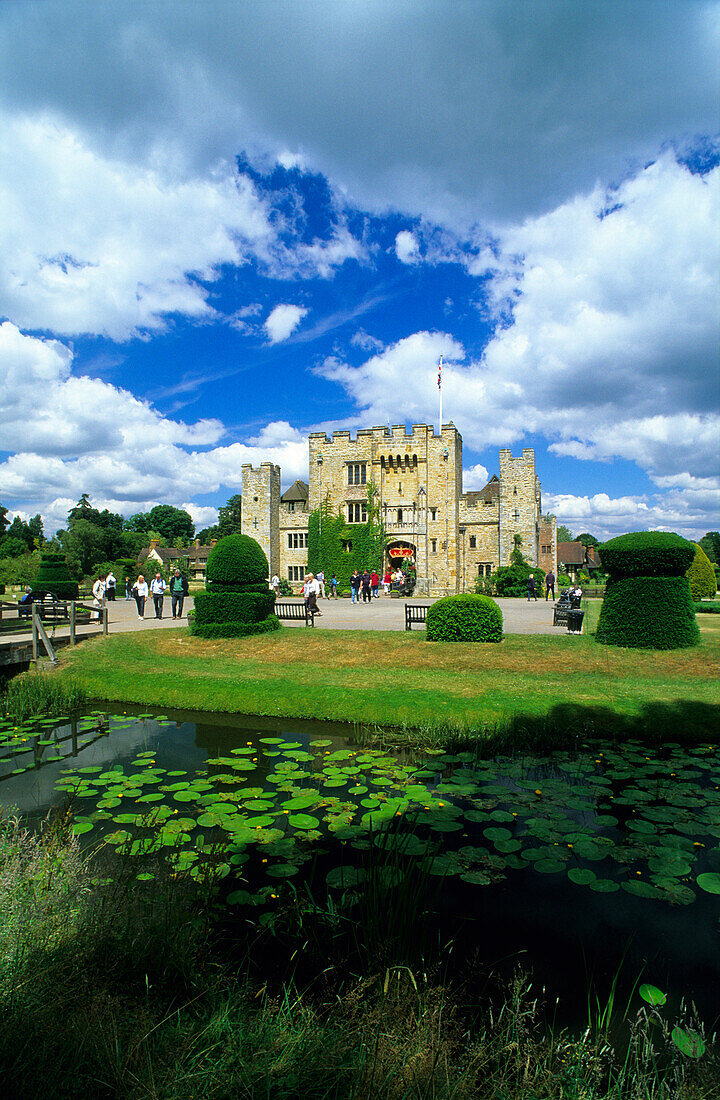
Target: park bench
[415,613]
[295,611]
[567,613]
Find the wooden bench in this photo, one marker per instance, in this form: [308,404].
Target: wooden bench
[570,615]
[415,613]
[296,611]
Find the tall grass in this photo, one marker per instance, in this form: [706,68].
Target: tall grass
[113,988]
[34,693]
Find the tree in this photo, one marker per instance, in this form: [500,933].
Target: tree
[587,539]
[172,523]
[711,545]
[230,517]
[3,520]
[36,527]
[208,534]
[564,534]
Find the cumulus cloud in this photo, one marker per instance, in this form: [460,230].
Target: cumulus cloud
[607,516]
[164,81]
[365,341]
[201,516]
[73,435]
[283,321]
[475,477]
[406,247]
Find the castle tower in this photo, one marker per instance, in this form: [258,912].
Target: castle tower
[261,509]
[519,505]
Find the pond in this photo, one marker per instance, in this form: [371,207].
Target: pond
[563,862]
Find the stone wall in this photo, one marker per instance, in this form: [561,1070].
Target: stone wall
[519,505]
[261,509]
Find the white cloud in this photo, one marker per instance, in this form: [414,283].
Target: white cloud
[406,247]
[469,108]
[364,340]
[201,516]
[73,435]
[475,477]
[283,321]
[605,516]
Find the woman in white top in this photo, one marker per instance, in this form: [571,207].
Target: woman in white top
[98,596]
[140,591]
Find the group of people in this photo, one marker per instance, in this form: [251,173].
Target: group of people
[104,589]
[365,586]
[367,582]
[574,593]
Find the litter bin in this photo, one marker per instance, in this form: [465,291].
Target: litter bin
[575,620]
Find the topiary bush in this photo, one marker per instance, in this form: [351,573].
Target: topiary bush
[647,599]
[464,618]
[53,576]
[701,575]
[237,601]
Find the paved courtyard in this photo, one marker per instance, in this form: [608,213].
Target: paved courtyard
[384,613]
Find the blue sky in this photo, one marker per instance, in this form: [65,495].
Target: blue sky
[226,225]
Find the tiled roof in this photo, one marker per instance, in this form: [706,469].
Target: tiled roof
[299,490]
[170,553]
[570,553]
[489,492]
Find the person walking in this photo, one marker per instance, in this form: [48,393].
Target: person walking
[128,589]
[98,592]
[366,587]
[178,592]
[275,585]
[321,581]
[110,583]
[157,587]
[531,589]
[311,591]
[550,585]
[140,590]
[387,581]
[374,584]
[333,587]
[355,587]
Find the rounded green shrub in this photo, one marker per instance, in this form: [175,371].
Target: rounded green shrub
[464,618]
[647,554]
[53,576]
[236,561]
[701,575]
[237,601]
[649,609]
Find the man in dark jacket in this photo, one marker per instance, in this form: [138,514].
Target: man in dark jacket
[178,592]
[366,587]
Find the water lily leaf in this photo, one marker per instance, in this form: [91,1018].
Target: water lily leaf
[709,882]
[549,866]
[345,877]
[303,821]
[688,1043]
[81,827]
[321,743]
[281,870]
[476,877]
[640,889]
[604,886]
[240,897]
[496,833]
[581,876]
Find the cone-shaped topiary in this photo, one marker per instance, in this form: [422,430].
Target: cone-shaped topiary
[464,618]
[237,600]
[647,598]
[53,576]
[701,575]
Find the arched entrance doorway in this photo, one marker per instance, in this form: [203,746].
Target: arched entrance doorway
[402,555]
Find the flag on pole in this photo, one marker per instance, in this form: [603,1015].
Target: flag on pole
[440,373]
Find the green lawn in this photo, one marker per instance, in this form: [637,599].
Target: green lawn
[399,679]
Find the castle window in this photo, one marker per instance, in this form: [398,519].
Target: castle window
[433,545]
[516,515]
[515,491]
[357,473]
[433,513]
[399,515]
[357,513]
[296,572]
[484,569]
[291,506]
[473,542]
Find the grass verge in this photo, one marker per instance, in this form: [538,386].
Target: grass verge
[397,679]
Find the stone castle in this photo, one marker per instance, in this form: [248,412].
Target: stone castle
[450,536]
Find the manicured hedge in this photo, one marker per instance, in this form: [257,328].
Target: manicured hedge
[237,561]
[53,576]
[225,607]
[237,601]
[708,608]
[648,612]
[701,575]
[235,630]
[464,618]
[647,554]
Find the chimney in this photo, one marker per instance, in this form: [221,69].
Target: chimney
[213,542]
[154,543]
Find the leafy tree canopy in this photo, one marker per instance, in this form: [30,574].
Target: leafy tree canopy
[564,534]
[587,539]
[230,517]
[711,545]
[171,522]
[207,535]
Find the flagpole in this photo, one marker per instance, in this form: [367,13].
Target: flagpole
[440,388]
